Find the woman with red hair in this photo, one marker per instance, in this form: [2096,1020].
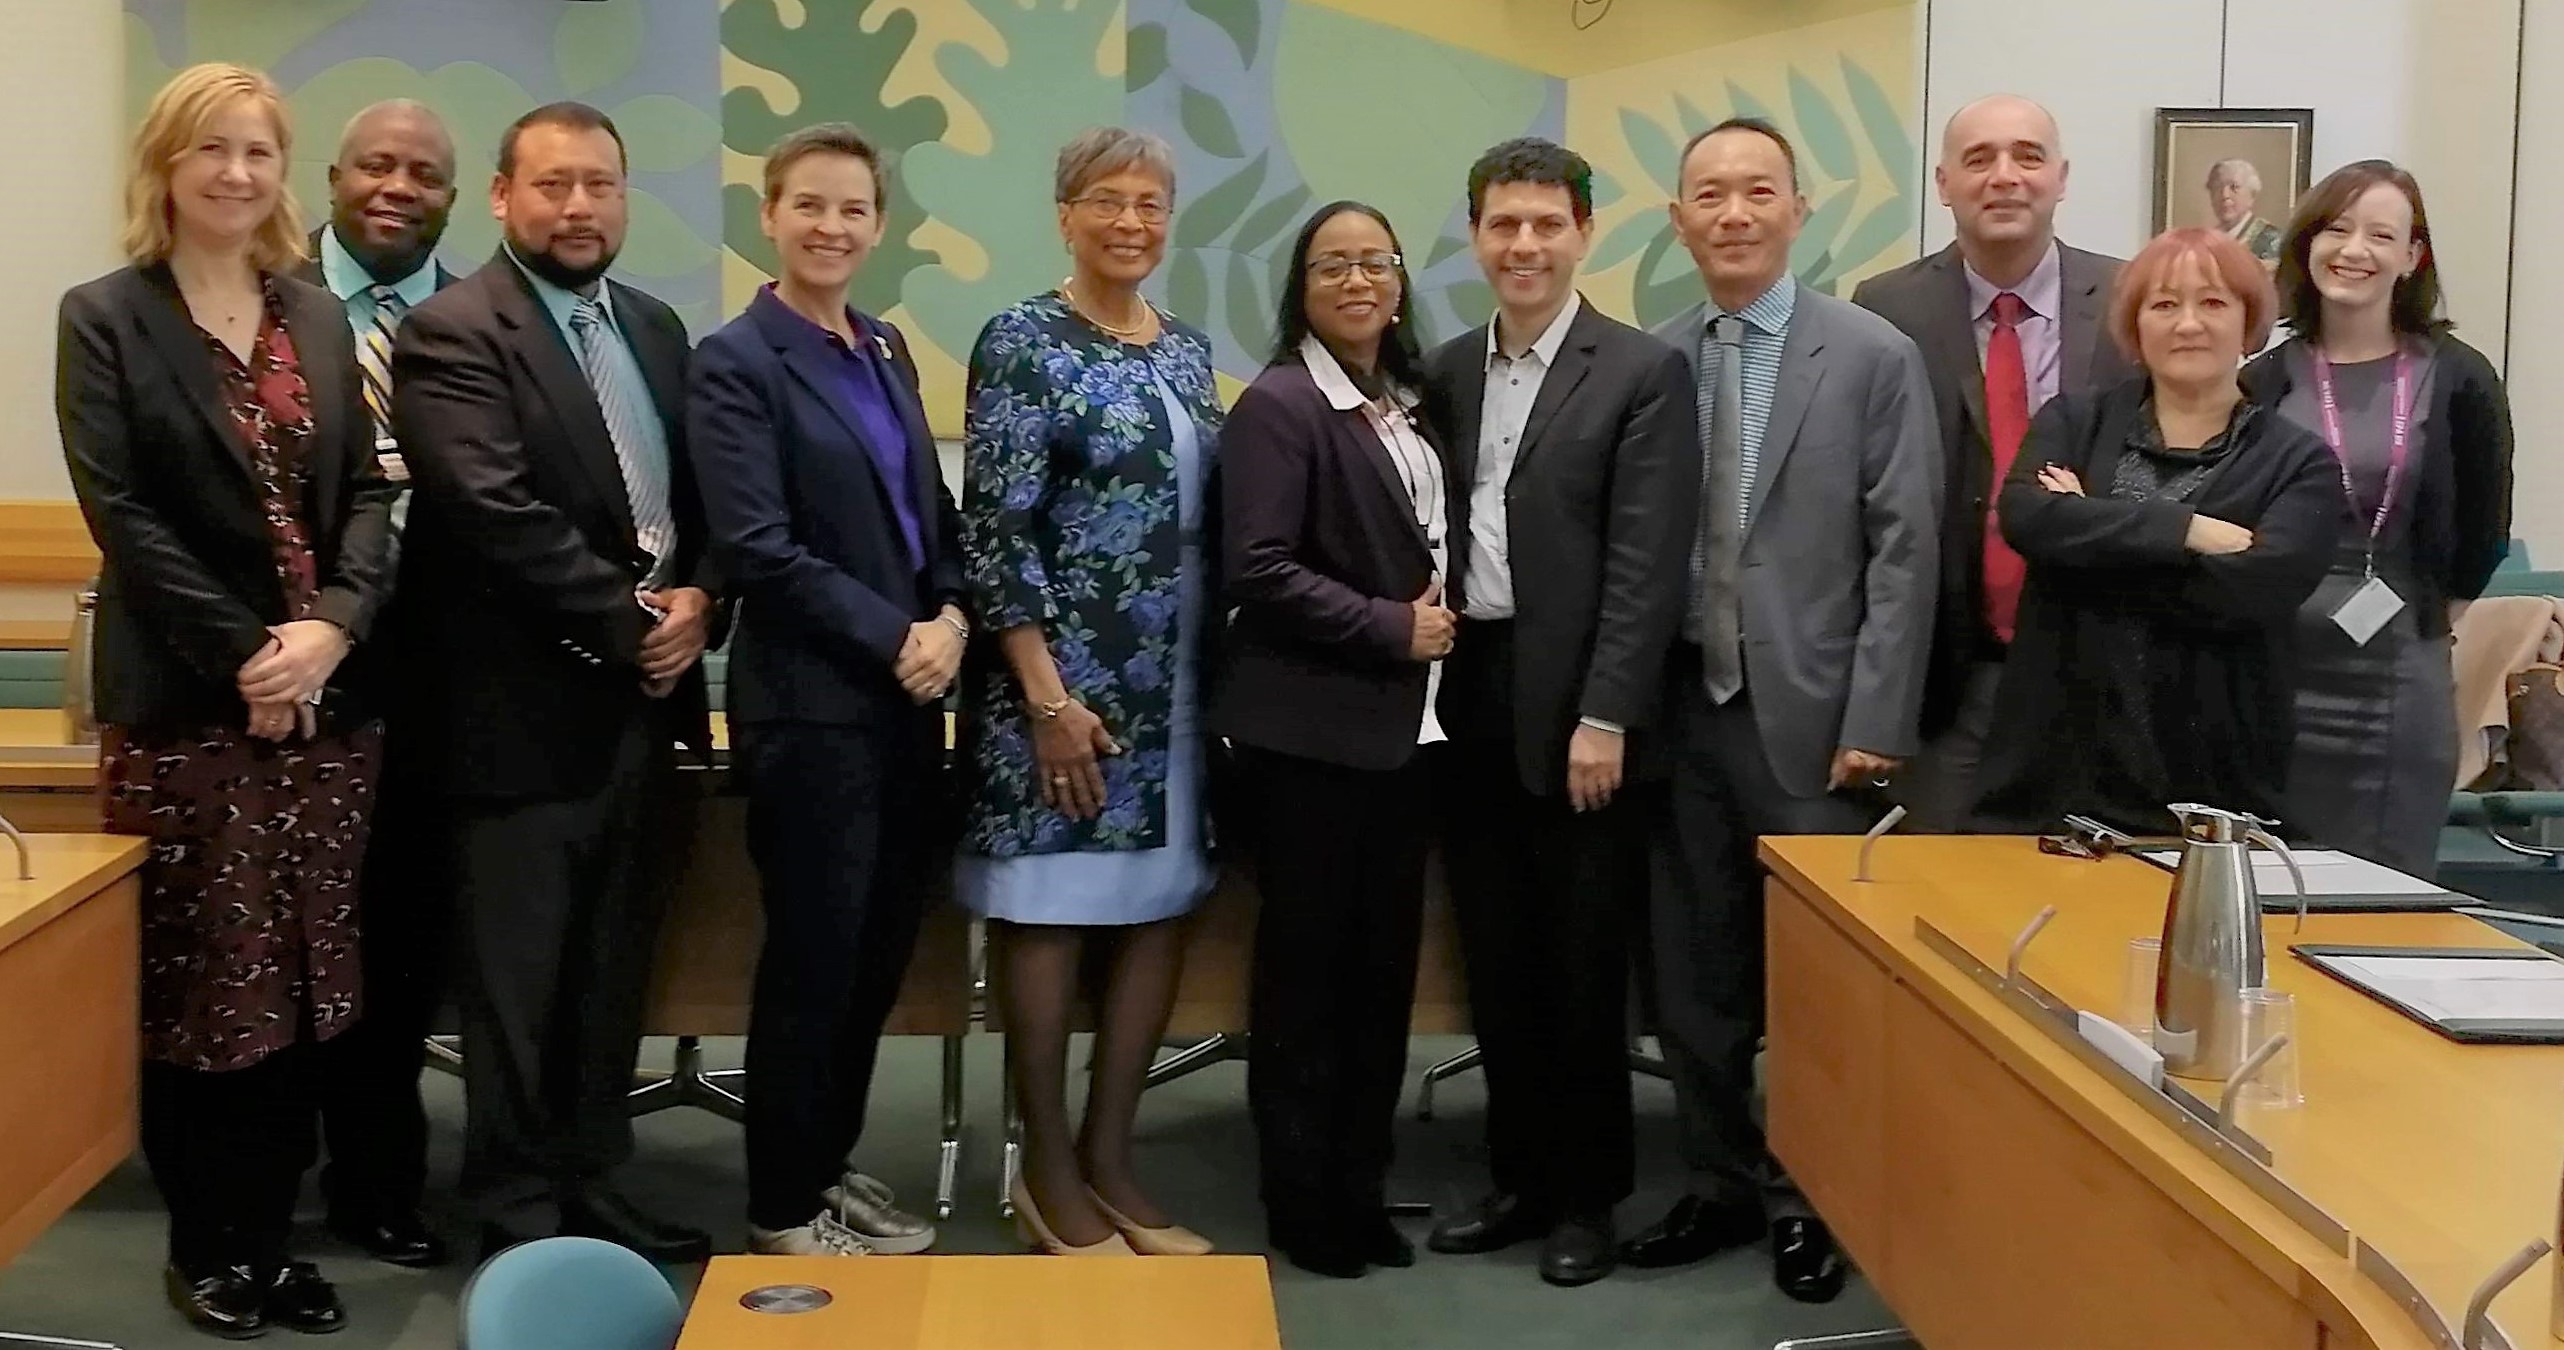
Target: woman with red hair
[2172,528]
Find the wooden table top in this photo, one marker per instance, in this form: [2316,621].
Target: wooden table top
[69,869]
[975,1302]
[2445,1158]
[44,730]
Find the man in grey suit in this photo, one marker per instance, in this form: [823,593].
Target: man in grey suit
[1800,666]
[2007,318]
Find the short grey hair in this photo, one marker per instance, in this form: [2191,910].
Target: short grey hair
[1101,152]
[2238,172]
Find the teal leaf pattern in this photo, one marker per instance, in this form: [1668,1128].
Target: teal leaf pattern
[1210,215]
[1746,105]
[663,133]
[1825,222]
[1821,129]
[1144,58]
[1626,239]
[1207,121]
[1250,309]
[1268,222]
[595,45]
[1881,122]
[1242,20]
[1651,147]
[1188,285]
[1886,223]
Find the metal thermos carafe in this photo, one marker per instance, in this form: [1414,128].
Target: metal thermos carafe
[2212,949]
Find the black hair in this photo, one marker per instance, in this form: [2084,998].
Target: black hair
[568,114]
[1529,159]
[1401,351]
[1760,127]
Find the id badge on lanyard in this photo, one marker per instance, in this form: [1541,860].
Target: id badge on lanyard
[2375,604]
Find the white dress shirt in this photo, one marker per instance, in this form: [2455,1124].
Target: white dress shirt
[1419,471]
[1513,384]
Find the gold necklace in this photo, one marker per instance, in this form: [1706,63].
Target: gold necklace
[1068,292]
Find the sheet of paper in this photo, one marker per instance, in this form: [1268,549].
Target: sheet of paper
[2327,873]
[2450,989]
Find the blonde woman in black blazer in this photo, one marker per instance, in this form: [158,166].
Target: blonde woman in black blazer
[1336,534]
[217,438]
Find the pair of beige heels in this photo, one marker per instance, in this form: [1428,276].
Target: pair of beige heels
[1129,1238]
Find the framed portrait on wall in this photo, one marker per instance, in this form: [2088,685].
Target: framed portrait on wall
[2240,170]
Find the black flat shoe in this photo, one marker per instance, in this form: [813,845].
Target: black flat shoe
[225,1302]
[1380,1243]
[1579,1251]
[1694,1230]
[298,1299]
[1806,1265]
[1334,1259]
[605,1215]
[396,1240]
[1496,1222]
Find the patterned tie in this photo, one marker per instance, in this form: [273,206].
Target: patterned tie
[374,363]
[2007,420]
[624,402]
[1718,557]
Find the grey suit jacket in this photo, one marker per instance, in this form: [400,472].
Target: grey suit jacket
[1927,300]
[1842,550]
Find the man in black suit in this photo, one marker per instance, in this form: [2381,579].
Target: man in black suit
[554,610]
[391,191]
[2006,318]
[1574,492]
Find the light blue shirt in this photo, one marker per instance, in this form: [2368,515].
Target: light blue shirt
[1759,368]
[354,286]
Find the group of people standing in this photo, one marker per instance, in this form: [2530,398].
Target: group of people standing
[407,579]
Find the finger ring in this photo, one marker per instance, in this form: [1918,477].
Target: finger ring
[1059,780]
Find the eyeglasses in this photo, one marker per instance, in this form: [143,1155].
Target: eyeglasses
[1102,207]
[1334,269]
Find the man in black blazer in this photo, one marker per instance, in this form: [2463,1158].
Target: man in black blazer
[1574,483]
[554,611]
[2002,173]
[391,191]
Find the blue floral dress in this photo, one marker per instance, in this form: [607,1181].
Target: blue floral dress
[1086,501]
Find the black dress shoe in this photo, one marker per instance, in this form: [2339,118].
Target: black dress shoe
[606,1215]
[1381,1244]
[396,1239]
[1493,1224]
[298,1299]
[1694,1230]
[1580,1250]
[1329,1256]
[1805,1262]
[225,1301]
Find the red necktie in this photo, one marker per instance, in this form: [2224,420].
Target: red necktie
[2007,420]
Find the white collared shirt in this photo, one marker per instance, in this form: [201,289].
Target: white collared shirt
[1419,471]
[1513,385]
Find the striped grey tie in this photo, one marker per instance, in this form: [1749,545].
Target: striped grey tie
[624,400]
[1718,555]
[374,357]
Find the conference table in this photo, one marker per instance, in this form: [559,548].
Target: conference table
[976,1302]
[2002,1187]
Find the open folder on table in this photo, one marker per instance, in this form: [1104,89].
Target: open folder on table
[2464,993]
[2335,882]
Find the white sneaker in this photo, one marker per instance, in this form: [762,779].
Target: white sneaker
[822,1236]
[866,1206]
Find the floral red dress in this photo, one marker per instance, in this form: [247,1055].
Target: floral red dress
[249,893]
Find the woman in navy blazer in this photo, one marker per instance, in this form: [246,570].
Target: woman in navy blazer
[1336,514]
[827,507]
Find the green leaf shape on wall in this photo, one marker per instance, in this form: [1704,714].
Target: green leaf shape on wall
[1188,285]
[1242,20]
[1443,248]
[659,244]
[1207,121]
[1045,86]
[1626,240]
[1884,126]
[838,69]
[664,133]
[1654,150]
[1816,237]
[1821,132]
[1886,224]
[1452,104]
[1250,307]
[1207,217]
[1268,223]
[1746,105]
[254,33]
[1144,59]
[595,45]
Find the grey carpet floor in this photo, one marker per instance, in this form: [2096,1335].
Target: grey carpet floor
[96,1276]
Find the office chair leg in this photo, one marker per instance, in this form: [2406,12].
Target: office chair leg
[10,1339]
[1450,1068]
[445,1054]
[948,1159]
[1012,1154]
[1893,1339]
[688,1083]
[1219,1048]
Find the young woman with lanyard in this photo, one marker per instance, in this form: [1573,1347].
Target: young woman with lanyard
[2420,430]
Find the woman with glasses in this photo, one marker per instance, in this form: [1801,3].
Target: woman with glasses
[1088,449]
[1334,541]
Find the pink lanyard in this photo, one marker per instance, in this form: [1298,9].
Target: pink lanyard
[2399,442]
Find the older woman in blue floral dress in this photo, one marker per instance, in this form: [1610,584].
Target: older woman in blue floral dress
[1092,424]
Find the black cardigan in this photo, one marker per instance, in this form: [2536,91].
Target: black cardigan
[2462,500]
[2215,630]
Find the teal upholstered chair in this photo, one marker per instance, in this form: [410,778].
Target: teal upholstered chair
[569,1293]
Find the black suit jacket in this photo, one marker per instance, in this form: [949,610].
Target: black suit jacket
[188,586]
[1324,558]
[520,633]
[802,522]
[1599,518]
[1927,300]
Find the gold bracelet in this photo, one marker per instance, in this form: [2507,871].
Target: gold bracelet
[1050,711]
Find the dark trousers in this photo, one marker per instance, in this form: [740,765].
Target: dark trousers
[1541,893]
[228,1151]
[559,902]
[1339,868]
[371,1114]
[840,826]
[1707,914]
